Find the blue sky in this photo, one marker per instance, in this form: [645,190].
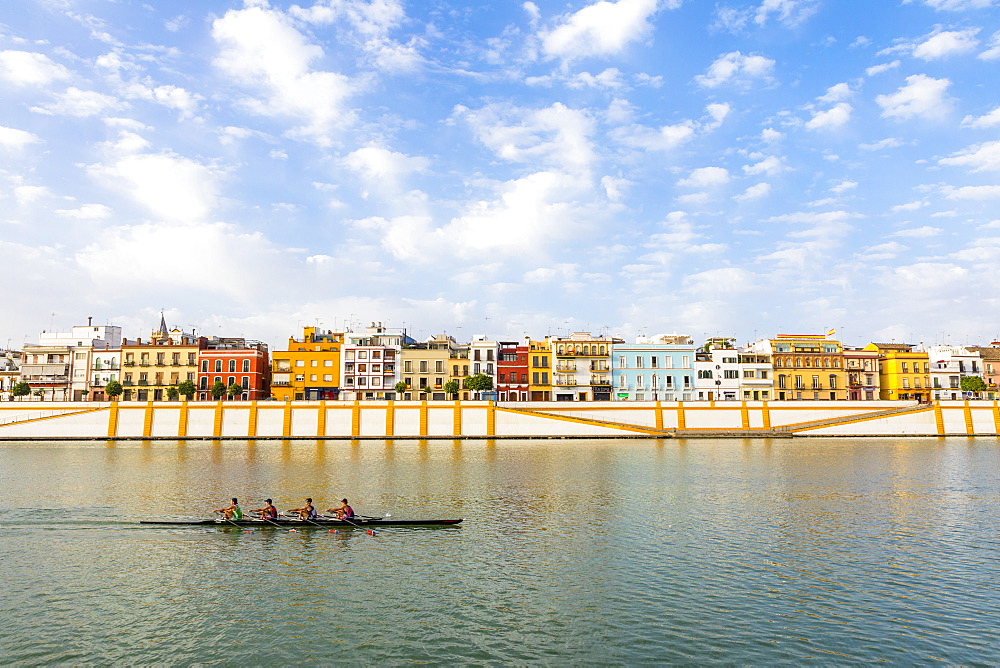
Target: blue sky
[630,167]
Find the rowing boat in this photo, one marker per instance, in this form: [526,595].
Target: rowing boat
[305,524]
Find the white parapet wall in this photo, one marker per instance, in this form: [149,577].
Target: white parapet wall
[481,419]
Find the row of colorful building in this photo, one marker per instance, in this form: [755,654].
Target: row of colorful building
[384,364]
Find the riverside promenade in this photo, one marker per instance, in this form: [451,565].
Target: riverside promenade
[311,420]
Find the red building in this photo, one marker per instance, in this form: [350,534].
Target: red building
[234,361]
[512,371]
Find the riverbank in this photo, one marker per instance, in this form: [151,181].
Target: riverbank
[173,420]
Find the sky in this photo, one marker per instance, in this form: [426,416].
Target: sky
[629,167]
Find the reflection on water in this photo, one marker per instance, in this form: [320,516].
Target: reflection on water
[607,552]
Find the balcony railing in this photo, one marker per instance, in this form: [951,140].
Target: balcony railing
[563,366]
[280,383]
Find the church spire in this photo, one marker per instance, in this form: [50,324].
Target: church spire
[164,332]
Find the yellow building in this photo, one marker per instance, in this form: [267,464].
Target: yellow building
[149,369]
[310,368]
[427,367]
[459,369]
[806,367]
[540,370]
[902,372]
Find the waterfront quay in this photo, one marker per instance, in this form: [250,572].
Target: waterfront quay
[487,419]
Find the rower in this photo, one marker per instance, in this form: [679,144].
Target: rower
[232,511]
[268,512]
[343,511]
[306,512]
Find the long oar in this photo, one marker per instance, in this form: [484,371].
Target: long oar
[315,524]
[371,532]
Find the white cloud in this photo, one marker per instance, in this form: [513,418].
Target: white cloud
[735,67]
[889,142]
[770,135]
[922,96]
[993,52]
[557,135]
[614,187]
[989,120]
[706,177]
[754,192]
[844,186]
[28,194]
[978,158]
[12,138]
[789,12]
[911,206]
[919,232]
[86,212]
[665,138]
[80,103]
[947,43]
[263,51]
[882,67]
[718,112]
[380,166]
[170,186]
[975,193]
[957,5]
[836,93]
[221,260]
[560,272]
[172,97]
[600,29]
[831,119]
[25,68]
[770,165]
[886,251]
[610,78]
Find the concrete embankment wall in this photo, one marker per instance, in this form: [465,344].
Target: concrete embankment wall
[480,419]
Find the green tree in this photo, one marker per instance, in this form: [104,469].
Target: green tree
[401,387]
[40,393]
[451,387]
[234,390]
[187,388]
[479,383]
[173,393]
[113,389]
[973,384]
[21,389]
[426,390]
[217,390]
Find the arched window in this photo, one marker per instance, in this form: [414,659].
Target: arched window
[218,366]
[232,366]
[246,366]
[808,362]
[603,350]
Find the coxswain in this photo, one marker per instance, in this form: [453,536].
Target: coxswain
[268,512]
[343,511]
[306,512]
[232,511]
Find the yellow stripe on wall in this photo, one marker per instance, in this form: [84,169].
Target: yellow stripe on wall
[182,421]
[321,420]
[939,418]
[113,420]
[217,422]
[252,424]
[390,419]
[457,419]
[147,421]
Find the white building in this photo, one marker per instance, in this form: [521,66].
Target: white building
[369,363]
[718,375]
[949,364]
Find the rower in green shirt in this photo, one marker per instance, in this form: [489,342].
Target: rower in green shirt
[232,511]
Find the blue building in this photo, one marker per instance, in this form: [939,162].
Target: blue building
[661,369]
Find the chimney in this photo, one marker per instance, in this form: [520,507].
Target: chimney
[89,319]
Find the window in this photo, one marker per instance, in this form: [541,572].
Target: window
[438,366]
[763,373]
[668,362]
[833,382]
[376,354]
[905,367]
[653,361]
[749,373]
[687,381]
[781,381]
[204,366]
[545,378]
[232,366]
[906,382]
[668,382]
[639,382]
[218,366]
[245,382]
[327,378]
[656,384]
[246,366]
[362,354]
[815,382]
[423,366]
[638,361]
[407,366]
[230,381]
[798,384]
[685,361]
[621,362]
[362,368]
[730,373]
[300,363]
[704,374]
[534,378]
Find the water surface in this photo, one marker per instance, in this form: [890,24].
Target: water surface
[804,551]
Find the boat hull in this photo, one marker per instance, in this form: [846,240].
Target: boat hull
[301,524]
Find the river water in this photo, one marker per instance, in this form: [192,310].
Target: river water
[803,551]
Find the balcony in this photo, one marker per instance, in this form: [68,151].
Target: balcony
[599,366]
[127,383]
[129,363]
[565,366]
[280,383]
[604,382]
